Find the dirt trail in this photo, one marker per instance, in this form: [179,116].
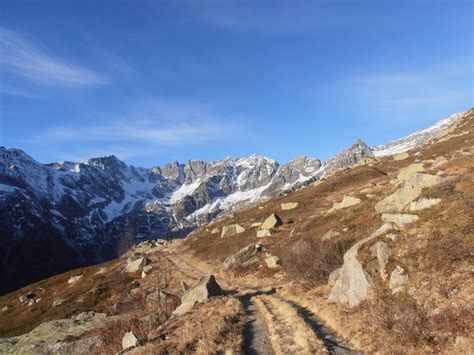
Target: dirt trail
[276,325]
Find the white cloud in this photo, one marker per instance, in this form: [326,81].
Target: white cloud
[26,59]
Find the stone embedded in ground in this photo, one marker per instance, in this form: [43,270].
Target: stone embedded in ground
[244,257]
[232,229]
[289,206]
[138,264]
[330,234]
[74,279]
[206,287]
[398,279]
[382,252]
[422,204]
[401,156]
[408,192]
[400,220]
[256,224]
[264,233]
[272,262]
[129,340]
[408,171]
[59,302]
[347,201]
[272,221]
[215,230]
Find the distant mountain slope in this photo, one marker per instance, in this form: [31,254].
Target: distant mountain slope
[57,216]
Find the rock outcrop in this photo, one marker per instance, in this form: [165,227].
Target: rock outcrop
[408,192]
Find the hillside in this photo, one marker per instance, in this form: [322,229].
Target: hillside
[373,257]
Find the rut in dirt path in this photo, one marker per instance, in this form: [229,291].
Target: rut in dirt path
[333,343]
[256,340]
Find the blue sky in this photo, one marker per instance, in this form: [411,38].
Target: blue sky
[158,81]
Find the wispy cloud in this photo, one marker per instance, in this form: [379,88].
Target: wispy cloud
[6,89]
[33,62]
[151,126]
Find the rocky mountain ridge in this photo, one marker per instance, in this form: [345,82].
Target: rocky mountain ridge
[69,214]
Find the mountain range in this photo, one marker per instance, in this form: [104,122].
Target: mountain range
[63,215]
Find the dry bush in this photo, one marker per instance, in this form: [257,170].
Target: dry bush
[403,318]
[311,264]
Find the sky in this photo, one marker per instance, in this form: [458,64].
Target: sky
[157,81]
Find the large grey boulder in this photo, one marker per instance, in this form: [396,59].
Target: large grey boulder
[206,287]
[232,229]
[353,283]
[408,192]
[244,257]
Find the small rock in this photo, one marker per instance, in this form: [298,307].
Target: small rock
[330,235]
[264,233]
[272,262]
[74,279]
[232,229]
[59,302]
[289,206]
[215,230]
[256,224]
[101,271]
[129,341]
[398,279]
[272,221]
[381,251]
[5,308]
[347,201]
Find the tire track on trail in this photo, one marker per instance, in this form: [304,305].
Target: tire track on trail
[272,317]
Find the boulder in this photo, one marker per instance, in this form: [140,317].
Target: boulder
[398,279]
[347,201]
[138,264]
[232,229]
[272,221]
[289,206]
[353,283]
[382,252]
[400,220]
[74,279]
[264,233]
[401,156]
[422,204]
[330,234]
[408,192]
[129,340]
[244,257]
[272,262]
[408,171]
[206,287]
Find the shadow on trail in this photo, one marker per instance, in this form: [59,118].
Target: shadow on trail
[327,335]
[255,333]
